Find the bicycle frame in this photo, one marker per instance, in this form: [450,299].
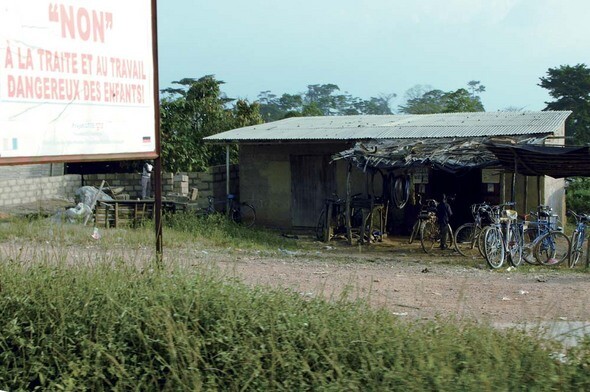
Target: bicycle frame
[503,237]
[227,203]
[427,213]
[332,218]
[467,236]
[241,213]
[578,238]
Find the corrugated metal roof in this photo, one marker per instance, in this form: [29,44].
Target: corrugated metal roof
[403,126]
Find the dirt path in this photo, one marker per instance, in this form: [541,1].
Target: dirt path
[406,281]
[393,275]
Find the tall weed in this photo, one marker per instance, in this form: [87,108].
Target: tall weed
[103,328]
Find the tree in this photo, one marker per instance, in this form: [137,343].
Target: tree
[430,102]
[570,87]
[274,108]
[374,105]
[474,87]
[320,100]
[312,109]
[438,101]
[193,111]
[461,101]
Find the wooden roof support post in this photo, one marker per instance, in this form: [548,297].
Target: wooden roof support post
[503,187]
[539,191]
[513,192]
[347,206]
[526,194]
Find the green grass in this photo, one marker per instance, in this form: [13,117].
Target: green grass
[104,328]
[217,230]
[106,324]
[178,230]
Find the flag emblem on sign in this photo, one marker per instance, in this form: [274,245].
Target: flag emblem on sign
[147,139]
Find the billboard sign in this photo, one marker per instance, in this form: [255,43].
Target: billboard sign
[76,80]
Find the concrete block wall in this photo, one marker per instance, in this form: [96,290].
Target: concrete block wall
[31,190]
[209,183]
[213,183]
[31,171]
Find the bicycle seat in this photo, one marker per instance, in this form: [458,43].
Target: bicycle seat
[425,214]
[544,211]
[509,214]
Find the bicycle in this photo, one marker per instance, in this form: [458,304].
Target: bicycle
[242,213]
[467,235]
[503,237]
[336,225]
[551,247]
[332,218]
[430,234]
[427,212]
[541,223]
[577,239]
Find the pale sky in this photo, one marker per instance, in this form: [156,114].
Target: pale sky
[373,47]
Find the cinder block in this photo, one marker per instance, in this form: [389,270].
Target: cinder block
[181,177]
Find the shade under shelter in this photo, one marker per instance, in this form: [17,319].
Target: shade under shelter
[540,160]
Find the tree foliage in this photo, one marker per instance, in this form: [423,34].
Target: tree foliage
[422,101]
[570,87]
[578,195]
[194,110]
[320,100]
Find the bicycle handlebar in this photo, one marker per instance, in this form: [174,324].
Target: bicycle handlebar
[580,218]
[336,199]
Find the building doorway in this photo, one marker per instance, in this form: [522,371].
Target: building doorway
[313,180]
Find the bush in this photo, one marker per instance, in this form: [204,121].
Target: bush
[578,195]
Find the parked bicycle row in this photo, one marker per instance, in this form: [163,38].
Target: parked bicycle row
[366,222]
[499,235]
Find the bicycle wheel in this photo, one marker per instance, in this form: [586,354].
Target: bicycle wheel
[244,214]
[320,228]
[552,248]
[415,231]
[429,236]
[481,240]
[514,246]
[378,184]
[528,245]
[401,191]
[577,250]
[494,247]
[450,243]
[466,239]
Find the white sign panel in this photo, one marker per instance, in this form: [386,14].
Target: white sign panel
[76,78]
[420,175]
[490,176]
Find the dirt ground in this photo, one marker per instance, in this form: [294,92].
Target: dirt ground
[397,276]
[412,284]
